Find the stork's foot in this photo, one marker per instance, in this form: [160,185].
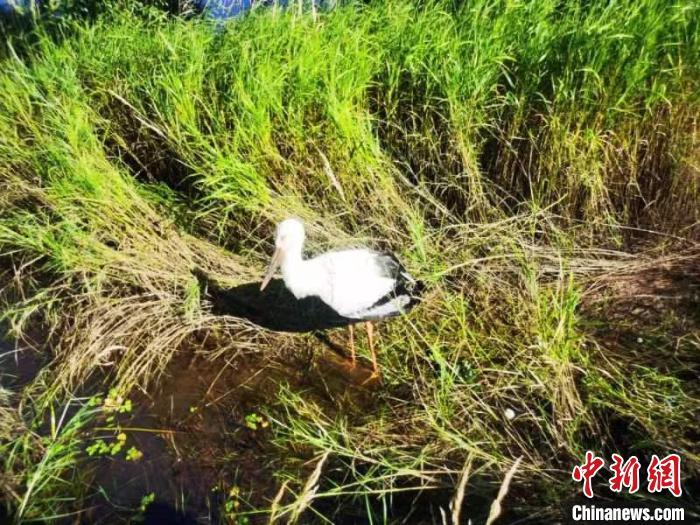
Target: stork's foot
[374,378]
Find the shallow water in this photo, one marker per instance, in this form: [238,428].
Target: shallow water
[195,440]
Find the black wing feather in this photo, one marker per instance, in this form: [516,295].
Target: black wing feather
[404,283]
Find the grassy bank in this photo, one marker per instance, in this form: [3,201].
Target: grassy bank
[535,163]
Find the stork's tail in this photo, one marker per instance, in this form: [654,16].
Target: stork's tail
[411,286]
[400,300]
[407,286]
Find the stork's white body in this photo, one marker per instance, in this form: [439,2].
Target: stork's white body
[349,281]
[358,283]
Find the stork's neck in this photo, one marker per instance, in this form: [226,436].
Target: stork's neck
[298,275]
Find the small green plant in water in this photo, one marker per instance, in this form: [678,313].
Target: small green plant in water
[103,448]
[133,454]
[254,421]
[117,403]
[113,404]
[146,501]
[233,505]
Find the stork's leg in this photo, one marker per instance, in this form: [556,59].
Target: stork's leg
[370,338]
[352,344]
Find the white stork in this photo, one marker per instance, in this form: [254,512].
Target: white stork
[359,284]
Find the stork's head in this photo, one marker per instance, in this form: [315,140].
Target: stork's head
[289,239]
[290,235]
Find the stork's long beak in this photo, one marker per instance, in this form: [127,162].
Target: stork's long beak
[274,264]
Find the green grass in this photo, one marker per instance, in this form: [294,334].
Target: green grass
[514,154]
[41,459]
